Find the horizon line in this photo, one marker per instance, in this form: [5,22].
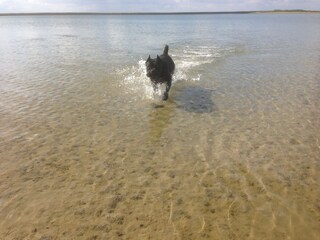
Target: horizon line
[161,13]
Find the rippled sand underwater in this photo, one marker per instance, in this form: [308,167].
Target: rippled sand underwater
[88,152]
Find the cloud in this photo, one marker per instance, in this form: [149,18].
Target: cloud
[37,6]
[152,6]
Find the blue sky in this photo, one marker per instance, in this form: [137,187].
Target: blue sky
[16,6]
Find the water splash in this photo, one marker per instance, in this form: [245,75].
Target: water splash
[135,80]
[188,60]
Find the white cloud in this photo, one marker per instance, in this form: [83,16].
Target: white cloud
[42,6]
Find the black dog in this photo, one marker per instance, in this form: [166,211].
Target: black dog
[160,70]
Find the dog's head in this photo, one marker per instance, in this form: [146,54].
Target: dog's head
[154,67]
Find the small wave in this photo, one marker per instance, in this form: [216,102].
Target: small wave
[67,35]
[37,39]
[189,58]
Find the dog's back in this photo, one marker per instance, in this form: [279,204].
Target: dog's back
[168,60]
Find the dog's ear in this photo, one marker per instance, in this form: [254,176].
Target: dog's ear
[158,58]
[148,58]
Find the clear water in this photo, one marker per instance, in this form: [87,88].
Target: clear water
[89,152]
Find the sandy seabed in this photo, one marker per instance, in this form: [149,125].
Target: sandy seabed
[87,174]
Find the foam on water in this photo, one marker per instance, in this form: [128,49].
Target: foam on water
[188,59]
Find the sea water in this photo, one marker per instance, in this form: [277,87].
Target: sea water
[88,151]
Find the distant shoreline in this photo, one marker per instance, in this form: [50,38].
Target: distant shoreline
[161,13]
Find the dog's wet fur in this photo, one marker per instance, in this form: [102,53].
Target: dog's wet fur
[160,70]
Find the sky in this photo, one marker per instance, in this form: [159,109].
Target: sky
[22,6]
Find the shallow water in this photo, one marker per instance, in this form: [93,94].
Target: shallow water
[89,152]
